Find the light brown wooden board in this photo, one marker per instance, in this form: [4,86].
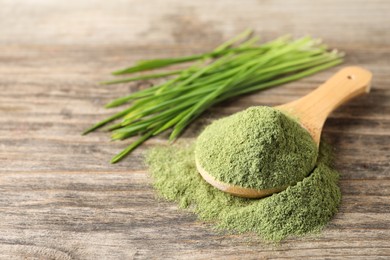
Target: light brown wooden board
[61,199]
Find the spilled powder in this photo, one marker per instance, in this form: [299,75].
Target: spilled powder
[258,148]
[303,208]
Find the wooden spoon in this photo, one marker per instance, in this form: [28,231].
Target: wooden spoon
[311,111]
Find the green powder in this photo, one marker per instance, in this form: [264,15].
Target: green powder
[303,208]
[259,148]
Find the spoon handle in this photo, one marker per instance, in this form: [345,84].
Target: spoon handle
[313,109]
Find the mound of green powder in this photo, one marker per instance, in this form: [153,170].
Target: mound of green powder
[259,148]
[305,207]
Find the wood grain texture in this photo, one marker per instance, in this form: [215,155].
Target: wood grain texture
[61,199]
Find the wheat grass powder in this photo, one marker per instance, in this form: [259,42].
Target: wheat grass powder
[306,206]
[259,148]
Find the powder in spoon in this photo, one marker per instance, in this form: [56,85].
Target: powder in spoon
[305,207]
[259,148]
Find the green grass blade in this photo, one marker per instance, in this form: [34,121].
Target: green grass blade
[131,147]
[156,64]
[106,121]
[143,77]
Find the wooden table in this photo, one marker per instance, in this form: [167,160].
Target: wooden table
[61,199]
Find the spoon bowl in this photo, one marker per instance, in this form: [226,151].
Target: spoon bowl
[311,111]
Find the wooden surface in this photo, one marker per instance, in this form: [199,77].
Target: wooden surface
[61,199]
